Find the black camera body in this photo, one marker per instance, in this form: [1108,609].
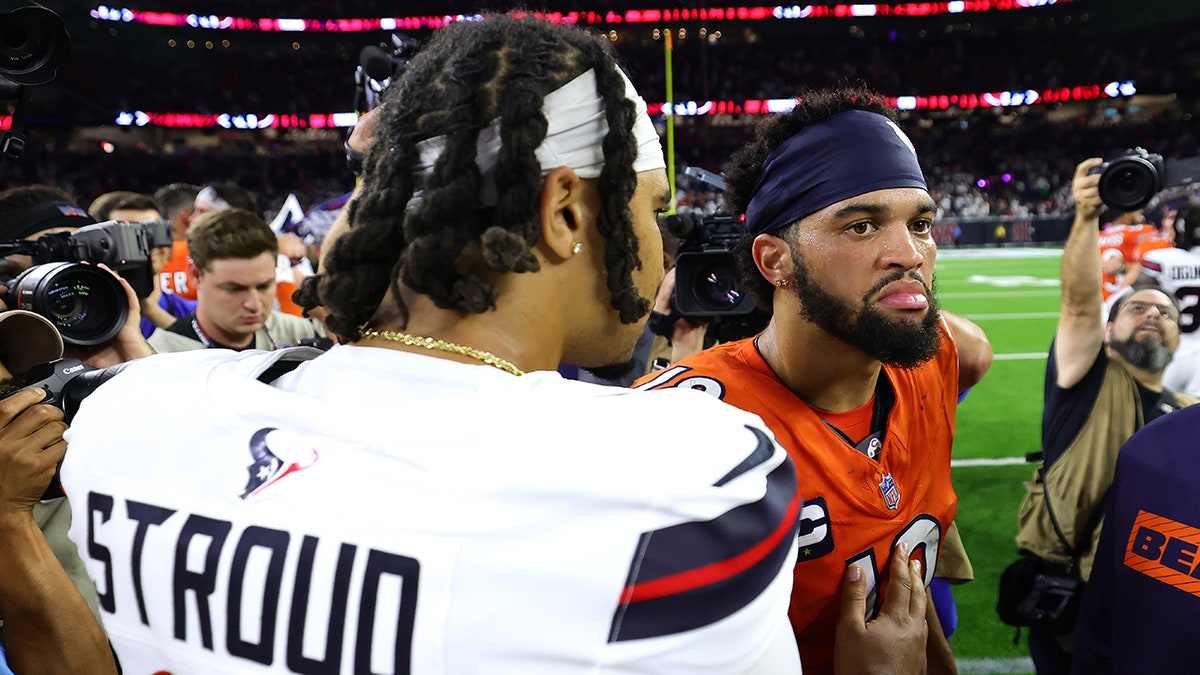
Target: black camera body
[55,378]
[116,243]
[66,383]
[707,282]
[1130,181]
[85,303]
[377,70]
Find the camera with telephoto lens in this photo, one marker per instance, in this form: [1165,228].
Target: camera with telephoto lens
[376,71]
[708,284]
[66,383]
[1129,182]
[85,303]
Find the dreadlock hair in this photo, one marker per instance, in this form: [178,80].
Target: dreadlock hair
[813,107]
[447,245]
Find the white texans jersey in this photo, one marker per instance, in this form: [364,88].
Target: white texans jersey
[375,511]
[1178,272]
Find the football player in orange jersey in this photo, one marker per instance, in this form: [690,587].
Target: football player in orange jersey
[858,373]
[1121,244]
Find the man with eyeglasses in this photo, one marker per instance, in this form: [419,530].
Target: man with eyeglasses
[1104,381]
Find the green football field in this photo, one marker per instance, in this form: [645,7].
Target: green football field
[1013,294]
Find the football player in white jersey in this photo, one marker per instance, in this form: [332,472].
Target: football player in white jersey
[430,496]
[1177,271]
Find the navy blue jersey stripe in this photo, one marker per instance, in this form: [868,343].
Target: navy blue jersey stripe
[761,454]
[709,595]
[689,546]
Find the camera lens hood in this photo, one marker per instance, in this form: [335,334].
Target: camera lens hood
[27,339]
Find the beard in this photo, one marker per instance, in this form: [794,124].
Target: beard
[898,343]
[1148,353]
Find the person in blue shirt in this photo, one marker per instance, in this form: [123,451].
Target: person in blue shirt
[1143,600]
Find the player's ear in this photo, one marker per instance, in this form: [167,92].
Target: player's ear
[564,212]
[773,257]
[193,273]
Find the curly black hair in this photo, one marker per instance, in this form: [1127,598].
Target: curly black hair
[814,107]
[448,245]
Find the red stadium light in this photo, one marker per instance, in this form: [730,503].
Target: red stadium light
[740,13]
[342,120]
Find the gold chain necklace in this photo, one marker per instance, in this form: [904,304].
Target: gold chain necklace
[442,345]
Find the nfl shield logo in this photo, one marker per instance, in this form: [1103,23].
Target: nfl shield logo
[891,493]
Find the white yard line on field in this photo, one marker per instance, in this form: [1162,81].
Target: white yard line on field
[987,461]
[1021,356]
[996,666]
[1012,315]
[1052,293]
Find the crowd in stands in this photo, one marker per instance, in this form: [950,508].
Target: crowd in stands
[980,162]
[965,157]
[303,73]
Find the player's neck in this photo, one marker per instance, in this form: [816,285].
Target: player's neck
[499,332]
[822,371]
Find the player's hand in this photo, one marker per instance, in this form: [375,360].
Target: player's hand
[893,643]
[31,446]
[1085,189]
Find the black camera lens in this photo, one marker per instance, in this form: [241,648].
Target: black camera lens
[716,286]
[1129,183]
[33,43]
[707,284]
[85,303]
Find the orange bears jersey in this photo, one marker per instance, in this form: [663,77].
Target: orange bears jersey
[1152,244]
[173,276]
[1124,239]
[856,509]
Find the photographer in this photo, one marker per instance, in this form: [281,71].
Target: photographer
[48,626]
[33,211]
[30,212]
[1103,382]
[159,309]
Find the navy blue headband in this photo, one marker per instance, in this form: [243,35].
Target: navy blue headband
[849,154]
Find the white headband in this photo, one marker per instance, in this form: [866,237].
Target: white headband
[575,132]
[209,197]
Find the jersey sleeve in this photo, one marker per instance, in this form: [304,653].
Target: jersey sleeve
[695,573]
[722,561]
